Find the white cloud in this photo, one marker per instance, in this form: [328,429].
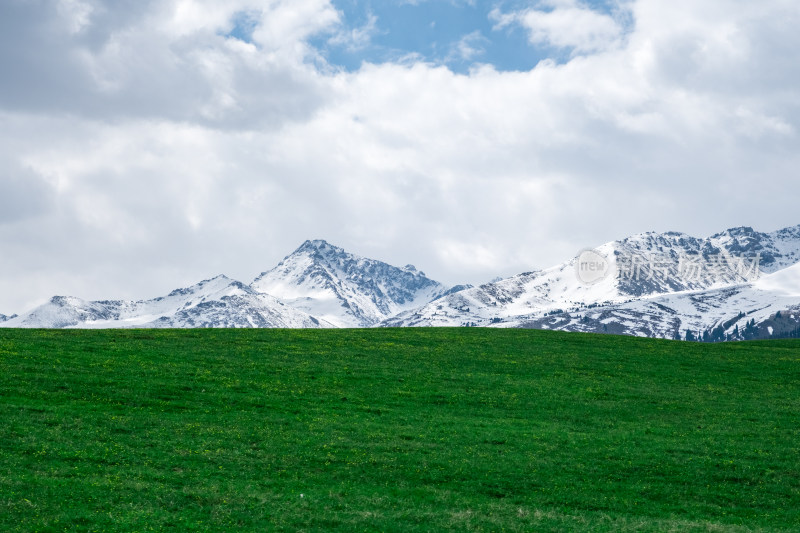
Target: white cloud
[468,48]
[289,23]
[136,157]
[77,14]
[564,24]
[354,39]
[168,60]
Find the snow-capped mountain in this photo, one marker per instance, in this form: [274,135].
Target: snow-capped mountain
[217,302]
[318,285]
[638,267]
[767,307]
[778,249]
[345,289]
[736,284]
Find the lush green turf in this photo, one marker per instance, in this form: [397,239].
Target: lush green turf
[395,430]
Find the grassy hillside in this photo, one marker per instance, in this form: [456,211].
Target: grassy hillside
[395,430]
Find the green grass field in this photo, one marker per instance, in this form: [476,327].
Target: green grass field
[395,430]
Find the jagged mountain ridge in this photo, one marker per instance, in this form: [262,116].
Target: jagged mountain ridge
[216,302]
[321,285]
[345,289]
[773,251]
[772,302]
[535,295]
[341,289]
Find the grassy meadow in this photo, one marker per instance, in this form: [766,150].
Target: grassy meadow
[395,430]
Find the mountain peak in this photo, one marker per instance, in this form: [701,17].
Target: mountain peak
[317,245]
[792,232]
[64,301]
[343,288]
[739,232]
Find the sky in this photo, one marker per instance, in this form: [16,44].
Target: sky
[146,145]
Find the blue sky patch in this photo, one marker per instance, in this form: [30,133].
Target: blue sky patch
[456,33]
[244,23]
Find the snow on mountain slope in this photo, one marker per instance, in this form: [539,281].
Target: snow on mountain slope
[784,282]
[245,310]
[63,312]
[658,284]
[540,292]
[217,302]
[672,315]
[778,249]
[344,289]
[640,266]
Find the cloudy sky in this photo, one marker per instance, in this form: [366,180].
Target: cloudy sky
[148,144]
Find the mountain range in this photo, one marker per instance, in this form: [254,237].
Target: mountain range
[737,284]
